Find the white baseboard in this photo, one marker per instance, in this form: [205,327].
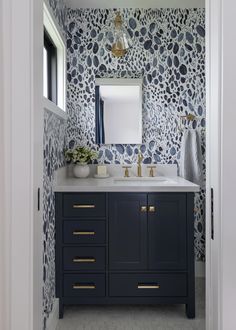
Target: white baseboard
[199,269]
[53,317]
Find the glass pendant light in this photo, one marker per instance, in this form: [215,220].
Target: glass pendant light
[118,38]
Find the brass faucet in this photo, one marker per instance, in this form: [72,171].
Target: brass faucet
[140,158]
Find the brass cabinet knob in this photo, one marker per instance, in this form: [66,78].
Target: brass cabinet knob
[151,209]
[143,209]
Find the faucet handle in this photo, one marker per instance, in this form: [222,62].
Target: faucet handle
[151,173]
[126,171]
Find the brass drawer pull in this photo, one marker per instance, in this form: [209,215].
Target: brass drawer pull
[148,286]
[81,206]
[81,260]
[83,233]
[143,208]
[84,287]
[152,209]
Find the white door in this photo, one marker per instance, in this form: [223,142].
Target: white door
[21,30]
[228,167]
[36,20]
[213,119]
[221,170]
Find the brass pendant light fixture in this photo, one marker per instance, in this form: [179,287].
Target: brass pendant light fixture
[118,38]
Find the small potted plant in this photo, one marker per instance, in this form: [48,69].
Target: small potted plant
[80,157]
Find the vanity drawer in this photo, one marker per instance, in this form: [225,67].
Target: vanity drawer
[84,285]
[148,285]
[84,205]
[84,232]
[84,258]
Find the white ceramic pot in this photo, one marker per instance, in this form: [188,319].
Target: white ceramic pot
[81,170]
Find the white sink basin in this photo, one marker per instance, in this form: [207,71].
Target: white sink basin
[144,180]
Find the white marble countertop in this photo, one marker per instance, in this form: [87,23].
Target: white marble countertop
[164,181]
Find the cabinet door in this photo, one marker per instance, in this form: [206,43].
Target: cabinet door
[127,231]
[167,231]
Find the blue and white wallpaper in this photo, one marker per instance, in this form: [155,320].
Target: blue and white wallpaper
[54,145]
[60,13]
[169,53]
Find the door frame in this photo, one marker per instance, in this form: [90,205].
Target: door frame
[3,287]
[213,157]
[221,158]
[22,167]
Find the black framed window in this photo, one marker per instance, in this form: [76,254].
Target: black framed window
[50,68]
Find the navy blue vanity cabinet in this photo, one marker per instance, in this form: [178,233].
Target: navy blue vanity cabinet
[125,248]
[127,231]
[81,247]
[167,232]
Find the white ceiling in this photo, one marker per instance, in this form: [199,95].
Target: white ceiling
[135,3]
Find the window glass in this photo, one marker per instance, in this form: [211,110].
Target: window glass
[50,68]
[45,73]
[54,60]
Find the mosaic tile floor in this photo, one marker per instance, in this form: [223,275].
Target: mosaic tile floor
[135,317]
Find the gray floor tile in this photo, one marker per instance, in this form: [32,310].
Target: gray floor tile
[135,317]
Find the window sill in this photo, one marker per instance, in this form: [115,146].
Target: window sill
[52,107]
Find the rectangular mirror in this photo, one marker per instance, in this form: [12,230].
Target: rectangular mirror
[118,111]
